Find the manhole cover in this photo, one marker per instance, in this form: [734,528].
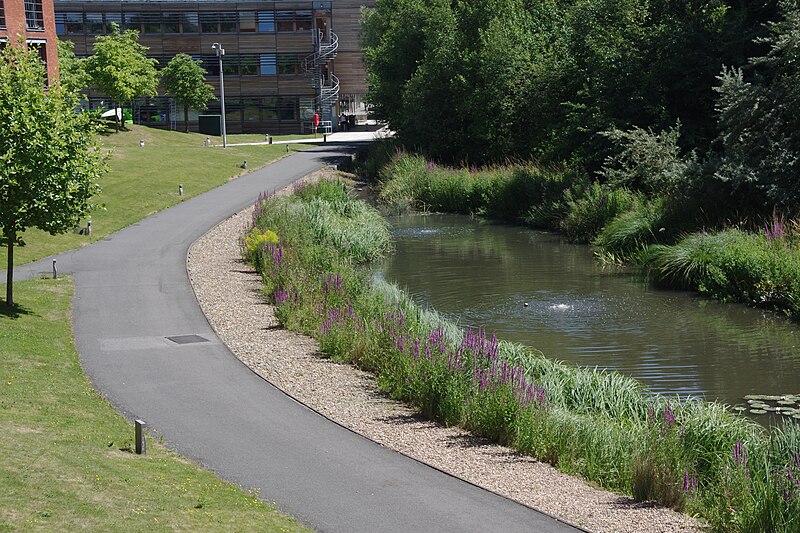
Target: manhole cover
[187,339]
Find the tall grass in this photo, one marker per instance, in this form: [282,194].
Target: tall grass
[597,424]
[733,265]
[503,192]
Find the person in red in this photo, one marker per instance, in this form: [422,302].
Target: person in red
[316,123]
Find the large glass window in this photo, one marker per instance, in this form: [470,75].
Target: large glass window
[171,22]
[289,64]
[211,64]
[151,22]
[247,21]
[115,18]
[73,23]
[94,23]
[287,108]
[227,22]
[266,22]
[34,15]
[248,65]
[267,64]
[218,22]
[190,23]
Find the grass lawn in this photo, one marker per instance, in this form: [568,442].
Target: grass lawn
[142,181]
[66,460]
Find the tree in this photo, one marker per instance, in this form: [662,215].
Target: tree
[759,117]
[49,162]
[185,79]
[71,69]
[120,69]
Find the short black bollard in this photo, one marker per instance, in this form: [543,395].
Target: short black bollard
[141,442]
[55,272]
[324,137]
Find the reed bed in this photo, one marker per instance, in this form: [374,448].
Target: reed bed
[682,453]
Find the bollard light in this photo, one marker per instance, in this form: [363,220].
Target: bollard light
[55,272]
[89,227]
[244,164]
[207,142]
[180,189]
[141,143]
[141,442]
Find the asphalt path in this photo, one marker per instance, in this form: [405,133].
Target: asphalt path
[132,293]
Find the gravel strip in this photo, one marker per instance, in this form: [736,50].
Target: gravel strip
[228,290]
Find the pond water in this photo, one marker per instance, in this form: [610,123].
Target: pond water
[481,273]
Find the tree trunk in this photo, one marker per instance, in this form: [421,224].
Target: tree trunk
[10,272]
[185,118]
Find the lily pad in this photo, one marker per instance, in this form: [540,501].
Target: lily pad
[786,402]
[758,412]
[763,397]
[739,408]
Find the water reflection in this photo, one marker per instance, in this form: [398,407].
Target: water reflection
[481,273]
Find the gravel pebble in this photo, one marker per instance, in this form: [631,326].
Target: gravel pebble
[228,291]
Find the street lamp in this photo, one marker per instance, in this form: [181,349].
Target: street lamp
[221,52]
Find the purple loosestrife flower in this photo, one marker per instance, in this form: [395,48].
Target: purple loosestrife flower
[739,455]
[669,416]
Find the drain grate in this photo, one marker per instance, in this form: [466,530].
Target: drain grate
[187,339]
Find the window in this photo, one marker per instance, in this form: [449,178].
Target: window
[289,65]
[34,15]
[189,23]
[73,24]
[266,22]
[248,65]
[211,64]
[151,22]
[292,21]
[287,108]
[2,19]
[268,66]
[247,22]
[218,22]
[171,22]
[115,18]
[94,23]
[39,46]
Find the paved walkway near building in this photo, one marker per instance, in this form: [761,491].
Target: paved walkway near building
[145,344]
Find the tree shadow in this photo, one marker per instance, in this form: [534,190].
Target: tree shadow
[14,311]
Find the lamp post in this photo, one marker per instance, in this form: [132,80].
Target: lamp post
[221,52]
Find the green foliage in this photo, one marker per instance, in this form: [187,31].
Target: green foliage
[651,163]
[760,118]
[185,79]
[120,68]
[456,79]
[506,193]
[49,163]
[733,265]
[590,212]
[601,425]
[67,453]
[71,69]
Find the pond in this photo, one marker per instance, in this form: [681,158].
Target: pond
[532,288]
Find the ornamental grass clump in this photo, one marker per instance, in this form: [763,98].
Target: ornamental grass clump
[598,424]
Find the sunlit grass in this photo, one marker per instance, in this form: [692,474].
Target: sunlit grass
[142,181]
[67,461]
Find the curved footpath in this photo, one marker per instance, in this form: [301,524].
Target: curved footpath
[132,294]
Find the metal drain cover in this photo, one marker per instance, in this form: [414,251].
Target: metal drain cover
[187,339]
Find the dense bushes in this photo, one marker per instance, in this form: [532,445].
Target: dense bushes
[597,424]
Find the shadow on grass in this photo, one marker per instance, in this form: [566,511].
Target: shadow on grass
[14,311]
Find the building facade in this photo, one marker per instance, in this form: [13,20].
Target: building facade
[284,60]
[33,21]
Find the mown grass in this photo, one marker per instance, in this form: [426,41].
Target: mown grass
[142,181]
[600,425]
[67,460]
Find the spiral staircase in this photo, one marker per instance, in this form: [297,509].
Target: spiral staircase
[326,85]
